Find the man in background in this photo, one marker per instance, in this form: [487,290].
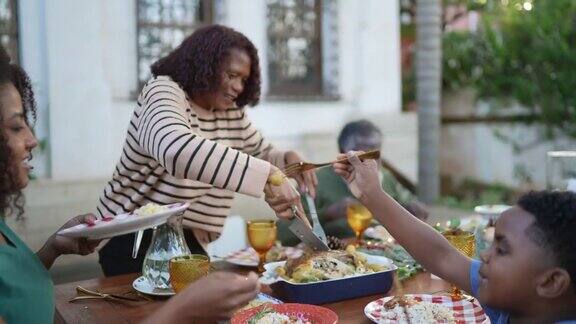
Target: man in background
[333,195]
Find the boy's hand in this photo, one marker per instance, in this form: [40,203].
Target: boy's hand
[362,177]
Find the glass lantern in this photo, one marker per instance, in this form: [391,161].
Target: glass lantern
[561,170]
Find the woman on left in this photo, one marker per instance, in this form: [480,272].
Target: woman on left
[26,290]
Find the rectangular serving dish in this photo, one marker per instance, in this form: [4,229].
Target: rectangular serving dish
[333,290]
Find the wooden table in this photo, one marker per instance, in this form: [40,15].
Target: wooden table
[99,311]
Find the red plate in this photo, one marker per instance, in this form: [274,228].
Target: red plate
[312,313]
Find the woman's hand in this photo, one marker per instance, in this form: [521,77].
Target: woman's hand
[281,195]
[68,245]
[307,181]
[58,245]
[212,298]
[362,177]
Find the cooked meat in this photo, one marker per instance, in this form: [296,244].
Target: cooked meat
[319,266]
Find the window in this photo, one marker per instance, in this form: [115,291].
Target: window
[9,27]
[163,25]
[297,64]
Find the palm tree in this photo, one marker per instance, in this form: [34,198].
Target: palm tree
[428,93]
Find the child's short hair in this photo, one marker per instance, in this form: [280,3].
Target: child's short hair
[555,214]
[360,127]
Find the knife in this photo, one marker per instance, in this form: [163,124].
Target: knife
[316,226]
[305,234]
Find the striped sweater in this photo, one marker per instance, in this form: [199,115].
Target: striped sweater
[176,151]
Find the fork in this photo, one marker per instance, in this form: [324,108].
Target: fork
[84,293]
[294,169]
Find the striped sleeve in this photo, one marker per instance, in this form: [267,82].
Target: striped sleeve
[164,132]
[257,146]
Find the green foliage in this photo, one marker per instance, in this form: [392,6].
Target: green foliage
[528,56]
[458,60]
[471,193]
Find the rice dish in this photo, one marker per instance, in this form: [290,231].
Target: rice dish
[270,316]
[150,209]
[416,312]
[277,318]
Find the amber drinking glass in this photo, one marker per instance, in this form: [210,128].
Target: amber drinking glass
[186,269]
[262,236]
[465,242]
[359,218]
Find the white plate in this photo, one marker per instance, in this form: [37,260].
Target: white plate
[142,285]
[378,232]
[471,223]
[122,224]
[490,211]
[267,298]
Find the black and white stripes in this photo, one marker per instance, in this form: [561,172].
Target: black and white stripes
[178,152]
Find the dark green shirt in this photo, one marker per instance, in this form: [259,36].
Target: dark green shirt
[26,290]
[333,189]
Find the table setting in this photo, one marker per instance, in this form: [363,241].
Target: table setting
[352,297]
[363,278]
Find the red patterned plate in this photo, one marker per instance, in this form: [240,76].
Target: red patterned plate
[249,258]
[464,312]
[313,314]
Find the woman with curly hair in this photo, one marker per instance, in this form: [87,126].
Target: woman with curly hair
[26,291]
[190,139]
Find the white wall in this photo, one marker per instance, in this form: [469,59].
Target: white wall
[369,64]
[474,151]
[478,151]
[33,46]
[91,76]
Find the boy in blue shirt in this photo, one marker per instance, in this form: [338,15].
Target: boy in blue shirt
[528,275]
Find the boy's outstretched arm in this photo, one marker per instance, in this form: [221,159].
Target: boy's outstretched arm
[424,243]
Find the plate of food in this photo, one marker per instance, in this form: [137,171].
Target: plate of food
[145,217]
[286,314]
[248,257]
[423,308]
[323,277]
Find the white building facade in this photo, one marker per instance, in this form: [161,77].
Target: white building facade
[82,57]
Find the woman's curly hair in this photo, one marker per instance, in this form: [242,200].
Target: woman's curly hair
[555,224]
[197,63]
[11,197]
